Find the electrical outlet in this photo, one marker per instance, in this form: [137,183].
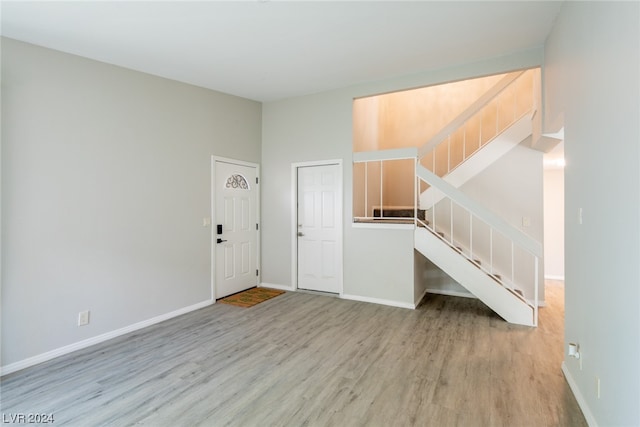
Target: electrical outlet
[206,222]
[526,221]
[580,363]
[580,216]
[83,318]
[574,351]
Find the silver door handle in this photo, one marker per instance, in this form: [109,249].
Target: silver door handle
[300,234]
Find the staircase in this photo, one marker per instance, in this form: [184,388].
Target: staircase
[493,260]
[488,129]
[476,163]
[450,246]
[509,305]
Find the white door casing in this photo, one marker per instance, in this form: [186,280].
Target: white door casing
[235,216]
[318,227]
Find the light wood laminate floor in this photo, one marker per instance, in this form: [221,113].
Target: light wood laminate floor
[309,360]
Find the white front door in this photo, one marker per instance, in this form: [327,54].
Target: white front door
[235,228]
[319,228]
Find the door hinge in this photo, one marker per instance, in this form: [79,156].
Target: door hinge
[256,272]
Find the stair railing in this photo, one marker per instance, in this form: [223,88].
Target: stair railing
[500,107]
[502,251]
[376,170]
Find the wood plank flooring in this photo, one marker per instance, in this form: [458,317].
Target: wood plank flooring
[309,360]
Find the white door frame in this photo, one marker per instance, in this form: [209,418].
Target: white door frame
[215,159]
[294,218]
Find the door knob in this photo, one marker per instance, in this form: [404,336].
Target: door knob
[300,234]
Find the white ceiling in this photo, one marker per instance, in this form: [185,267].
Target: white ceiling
[270,50]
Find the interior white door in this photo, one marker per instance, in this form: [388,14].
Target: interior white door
[319,228]
[235,228]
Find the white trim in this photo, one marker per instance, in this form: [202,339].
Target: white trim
[379,301]
[294,217]
[582,402]
[234,161]
[553,277]
[215,159]
[451,293]
[61,351]
[276,286]
[383,224]
[419,300]
[381,155]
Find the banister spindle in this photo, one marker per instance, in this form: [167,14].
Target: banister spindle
[491,250]
[449,153]
[451,221]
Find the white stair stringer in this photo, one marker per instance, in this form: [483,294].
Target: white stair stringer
[504,302]
[481,159]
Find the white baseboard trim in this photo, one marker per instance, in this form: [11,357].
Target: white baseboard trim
[276,286]
[451,293]
[582,403]
[346,296]
[419,300]
[379,301]
[31,361]
[552,277]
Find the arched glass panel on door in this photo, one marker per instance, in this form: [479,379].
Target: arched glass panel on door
[237,182]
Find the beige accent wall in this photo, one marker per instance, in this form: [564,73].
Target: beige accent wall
[411,118]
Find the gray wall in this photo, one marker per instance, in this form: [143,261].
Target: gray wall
[378,263]
[592,69]
[105,182]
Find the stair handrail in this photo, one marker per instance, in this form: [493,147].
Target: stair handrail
[479,211]
[382,155]
[469,112]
